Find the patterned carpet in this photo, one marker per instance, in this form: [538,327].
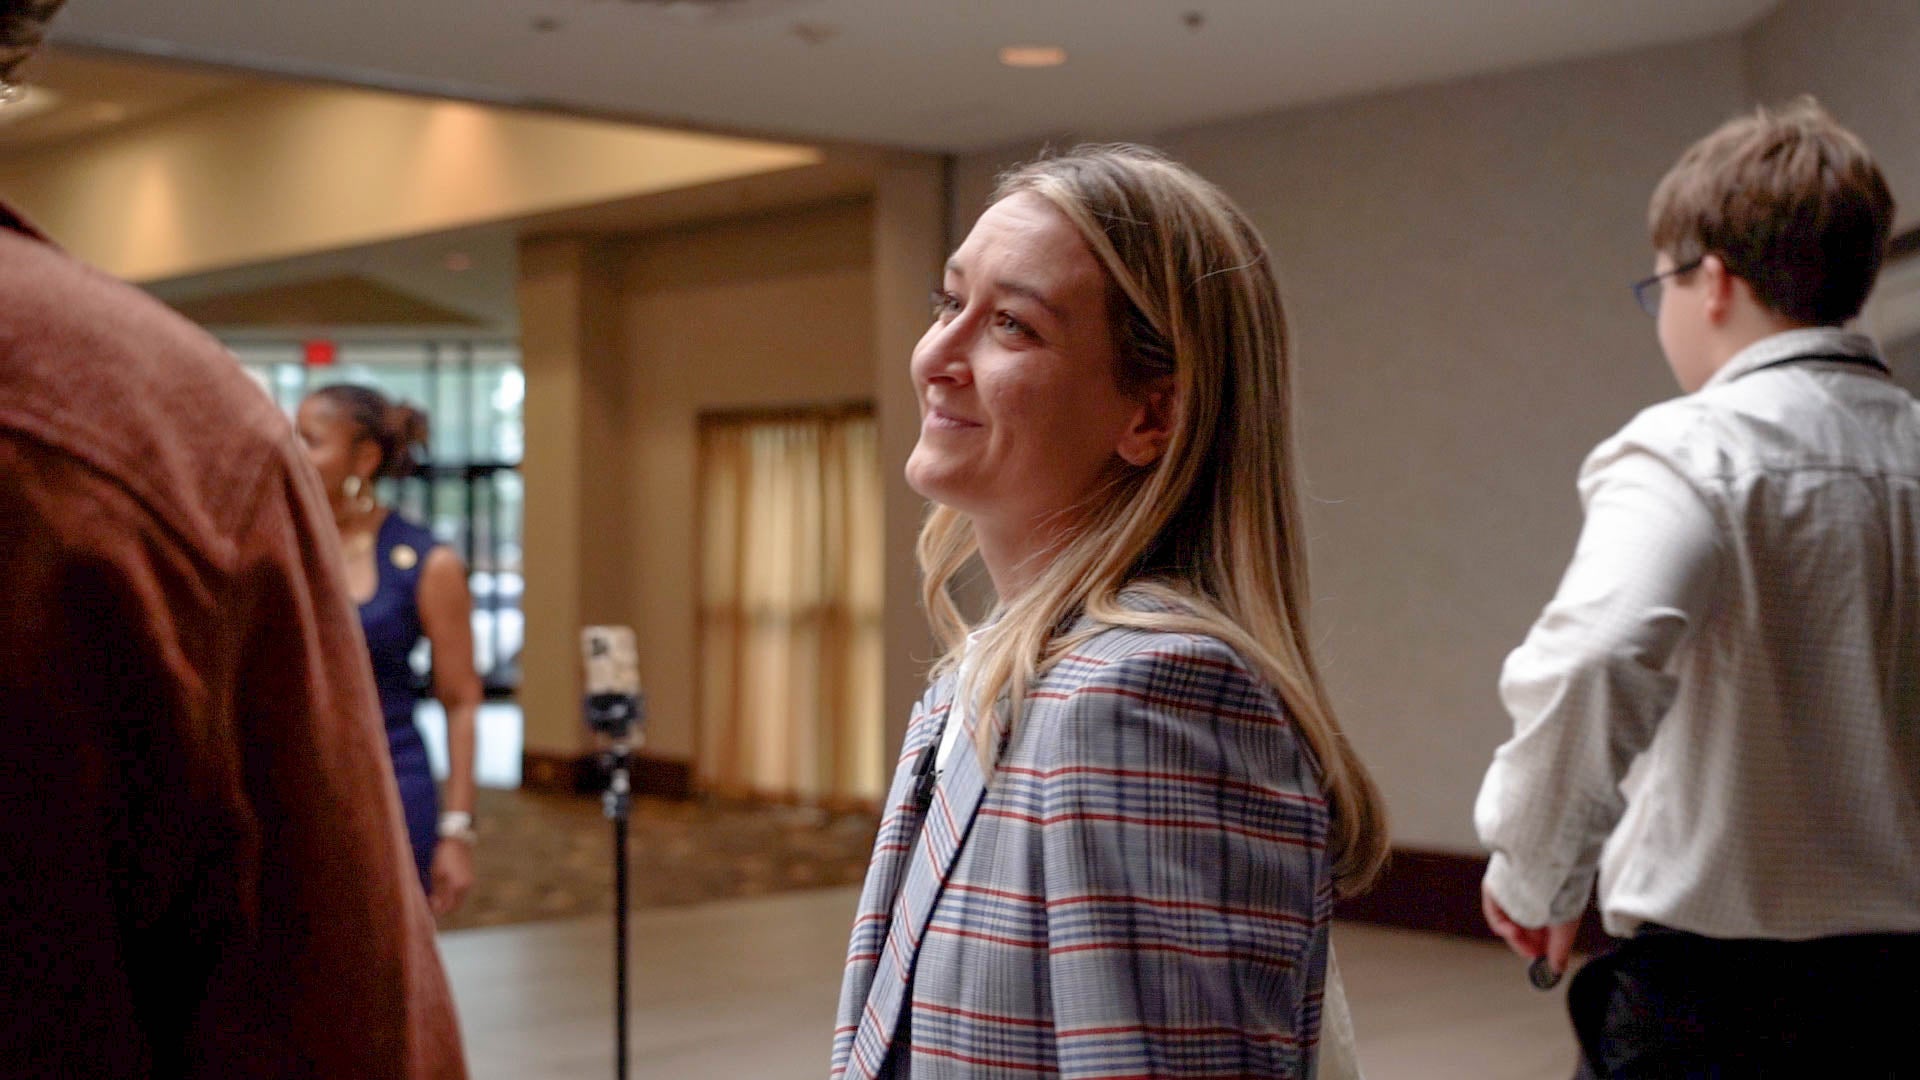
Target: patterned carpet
[546,856]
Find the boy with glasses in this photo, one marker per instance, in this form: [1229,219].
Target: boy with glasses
[1719,711]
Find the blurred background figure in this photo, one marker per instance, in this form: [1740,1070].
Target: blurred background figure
[206,873]
[408,586]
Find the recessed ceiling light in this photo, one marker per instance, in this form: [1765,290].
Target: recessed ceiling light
[457,261]
[1033,56]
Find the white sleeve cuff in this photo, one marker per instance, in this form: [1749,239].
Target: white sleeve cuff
[1534,903]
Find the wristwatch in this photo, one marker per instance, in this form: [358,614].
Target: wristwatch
[457,825]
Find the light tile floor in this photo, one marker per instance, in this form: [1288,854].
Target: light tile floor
[746,988]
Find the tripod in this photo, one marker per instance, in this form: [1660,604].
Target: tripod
[616,715]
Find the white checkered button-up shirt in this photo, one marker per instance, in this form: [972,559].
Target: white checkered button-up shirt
[1720,709]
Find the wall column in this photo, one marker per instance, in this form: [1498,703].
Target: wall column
[568,343]
[909,248]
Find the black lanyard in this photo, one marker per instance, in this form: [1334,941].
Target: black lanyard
[1873,362]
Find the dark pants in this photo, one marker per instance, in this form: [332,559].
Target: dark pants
[1670,1004]
[418,798]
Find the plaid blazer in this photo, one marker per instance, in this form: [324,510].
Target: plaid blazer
[1142,890]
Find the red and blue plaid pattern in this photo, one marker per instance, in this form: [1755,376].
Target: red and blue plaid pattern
[1143,891]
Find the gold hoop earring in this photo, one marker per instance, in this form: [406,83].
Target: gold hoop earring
[357,494]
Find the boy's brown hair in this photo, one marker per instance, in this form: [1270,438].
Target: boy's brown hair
[1790,201]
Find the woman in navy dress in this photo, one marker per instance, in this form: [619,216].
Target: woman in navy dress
[408,586]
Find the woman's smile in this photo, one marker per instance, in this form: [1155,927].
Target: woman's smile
[938,419]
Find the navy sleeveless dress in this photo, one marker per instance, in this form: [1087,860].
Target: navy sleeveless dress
[391,621]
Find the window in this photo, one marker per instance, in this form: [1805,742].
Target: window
[470,491]
[790,679]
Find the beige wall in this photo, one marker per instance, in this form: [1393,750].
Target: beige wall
[909,248]
[568,318]
[1861,58]
[627,342]
[770,313]
[1455,261]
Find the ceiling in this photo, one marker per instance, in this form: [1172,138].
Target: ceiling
[71,96]
[459,281]
[471,272]
[906,73]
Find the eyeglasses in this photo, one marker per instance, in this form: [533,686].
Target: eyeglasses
[1648,297]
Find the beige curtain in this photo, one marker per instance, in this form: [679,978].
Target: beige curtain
[790,607]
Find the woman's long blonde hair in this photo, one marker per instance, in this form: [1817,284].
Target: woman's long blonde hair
[1212,529]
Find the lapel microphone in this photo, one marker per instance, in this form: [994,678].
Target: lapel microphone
[923,771]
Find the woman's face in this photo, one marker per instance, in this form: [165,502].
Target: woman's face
[332,445]
[1020,414]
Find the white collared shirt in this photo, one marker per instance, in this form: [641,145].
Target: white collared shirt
[1720,708]
[962,704]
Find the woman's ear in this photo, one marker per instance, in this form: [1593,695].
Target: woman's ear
[1151,428]
[364,458]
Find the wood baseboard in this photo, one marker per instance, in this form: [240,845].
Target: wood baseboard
[1439,892]
[583,774]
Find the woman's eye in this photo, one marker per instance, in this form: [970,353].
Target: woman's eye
[1008,324]
[944,303]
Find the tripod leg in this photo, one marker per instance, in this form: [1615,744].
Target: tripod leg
[620,946]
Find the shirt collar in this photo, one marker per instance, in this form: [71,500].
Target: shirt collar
[1808,341]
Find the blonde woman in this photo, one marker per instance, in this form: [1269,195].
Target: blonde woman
[1124,807]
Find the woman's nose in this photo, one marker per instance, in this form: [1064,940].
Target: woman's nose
[942,355]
